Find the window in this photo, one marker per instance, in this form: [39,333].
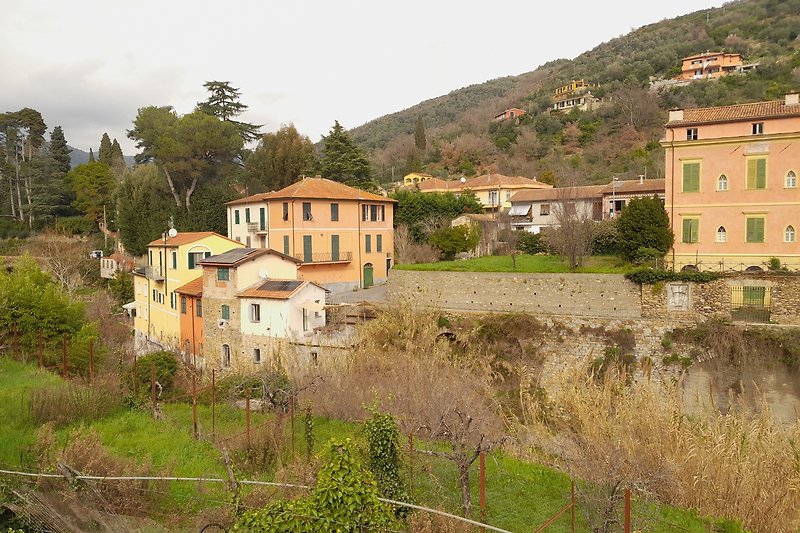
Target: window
[691,177]
[286,245]
[755,229]
[722,183]
[789,234]
[791,180]
[236,216]
[368,243]
[308,255]
[334,212]
[364,213]
[307,211]
[691,230]
[247,214]
[256,355]
[378,243]
[285,210]
[758,128]
[722,234]
[691,134]
[373,213]
[492,197]
[226,312]
[173,300]
[334,247]
[150,253]
[544,209]
[255,312]
[247,241]
[383,212]
[195,258]
[262,219]
[155,295]
[757,173]
[226,356]
[223,274]
[199,309]
[183,305]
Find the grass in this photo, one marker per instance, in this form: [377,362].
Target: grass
[598,264]
[520,495]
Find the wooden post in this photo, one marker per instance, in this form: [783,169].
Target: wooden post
[41,351]
[16,341]
[627,510]
[194,405]
[291,419]
[410,461]
[64,356]
[153,387]
[572,506]
[482,493]
[213,404]
[247,416]
[91,361]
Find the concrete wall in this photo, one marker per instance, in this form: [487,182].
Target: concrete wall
[586,295]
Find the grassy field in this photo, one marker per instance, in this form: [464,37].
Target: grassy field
[520,495]
[524,263]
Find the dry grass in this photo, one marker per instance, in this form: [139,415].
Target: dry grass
[72,402]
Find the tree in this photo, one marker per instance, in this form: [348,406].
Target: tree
[644,223]
[94,187]
[223,103]
[91,156]
[66,260]
[573,232]
[143,207]
[419,135]
[22,136]
[423,212]
[59,150]
[279,159]
[453,240]
[121,287]
[341,159]
[104,153]
[117,158]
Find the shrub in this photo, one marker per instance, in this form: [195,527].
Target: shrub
[121,287]
[383,456]
[453,240]
[644,224]
[70,403]
[77,225]
[605,238]
[647,275]
[166,368]
[530,243]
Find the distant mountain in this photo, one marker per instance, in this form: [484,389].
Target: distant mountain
[79,157]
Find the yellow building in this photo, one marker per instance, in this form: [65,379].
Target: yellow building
[492,190]
[343,236]
[172,262]
[415,177]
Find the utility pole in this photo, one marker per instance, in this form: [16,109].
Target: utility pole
[105,228]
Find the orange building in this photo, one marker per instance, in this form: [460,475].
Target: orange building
[709,65]
[191,317]
[513,112]
[731,184]
[343,236]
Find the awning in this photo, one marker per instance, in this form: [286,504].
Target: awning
[519,210]
[129,306]
[312,305]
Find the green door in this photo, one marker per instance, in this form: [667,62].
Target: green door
[368,275]
[262,219]
[307,257]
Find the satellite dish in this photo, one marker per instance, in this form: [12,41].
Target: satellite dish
[263,273]
[172,232]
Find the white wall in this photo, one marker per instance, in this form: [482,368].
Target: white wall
[283,318]
[277,268]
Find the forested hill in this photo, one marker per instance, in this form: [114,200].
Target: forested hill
[619,138]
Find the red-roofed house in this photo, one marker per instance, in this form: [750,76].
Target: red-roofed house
[493,190]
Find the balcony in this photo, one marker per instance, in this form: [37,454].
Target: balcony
[154,273]
[255,227]
[326,257]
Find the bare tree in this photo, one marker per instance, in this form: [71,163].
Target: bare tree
[65,259]
[573,232]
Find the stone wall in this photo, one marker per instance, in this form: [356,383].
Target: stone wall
[586,295]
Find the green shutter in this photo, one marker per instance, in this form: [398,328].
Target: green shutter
[226,312]
[755,229]
[757,173]
[378,243]
[247,215]
[286,244]
[262,219]
[334,247]
[307,256]
[691,233]
[191,261]
[691,177]
[368,243]
[236,216]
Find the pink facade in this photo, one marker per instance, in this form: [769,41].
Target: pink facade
[732,185]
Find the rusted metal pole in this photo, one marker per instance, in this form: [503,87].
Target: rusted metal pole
[91,361]
[410,461]
[627,510]
[247,416]
[572,506]
[153,387]
[482,463]
[64,356]
[41,351]
[213,404]
[194,406]
[291,419]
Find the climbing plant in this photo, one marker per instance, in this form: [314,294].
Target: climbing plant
[308,426]
[383,455]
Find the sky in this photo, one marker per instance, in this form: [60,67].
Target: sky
[88,66]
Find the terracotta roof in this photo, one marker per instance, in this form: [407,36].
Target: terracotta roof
[187,237]
[734,113]
[314,188]
[560,193]
[487,181]
[480,217]
[633,186]
[193,288]
[280,289]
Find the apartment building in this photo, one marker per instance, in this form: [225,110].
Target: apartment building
[492,190]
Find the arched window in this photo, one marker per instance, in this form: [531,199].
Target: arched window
[722,183]
[791,180]
[226,356]
[789,234]
[722,234]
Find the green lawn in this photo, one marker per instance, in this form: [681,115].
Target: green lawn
[520,495]
[524,263]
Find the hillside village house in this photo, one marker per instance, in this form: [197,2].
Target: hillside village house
[172,262]
[732,188]
[709,65]
[116,262]
[574,95]
[492,190]
[254,307]
[342,236]
[413,178]
[512,113]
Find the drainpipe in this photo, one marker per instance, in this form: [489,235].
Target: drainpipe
[359,215]
[672,188]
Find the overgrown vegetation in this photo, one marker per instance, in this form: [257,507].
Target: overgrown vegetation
[647,275]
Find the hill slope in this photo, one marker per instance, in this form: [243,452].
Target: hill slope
[617,139]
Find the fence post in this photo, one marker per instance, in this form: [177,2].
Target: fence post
[91,361]
[572,506]
[41,351]
[16,341]
[291,419]
[213,403]
[627,510]
[410,462]
[482,464]
[153,387]
[247,416]
[135,377]
[64,356]
[194,405]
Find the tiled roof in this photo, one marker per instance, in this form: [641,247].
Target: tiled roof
[187,237]
[314,188]
[562,193]
[237,256]
[193,288]
[487,181]
[634,186]
[733,113]
[280,289]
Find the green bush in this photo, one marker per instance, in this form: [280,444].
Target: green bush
[166,368]
[644,224]
[646,275]
[453,240]
[605,238]
[530,243]
[77,225]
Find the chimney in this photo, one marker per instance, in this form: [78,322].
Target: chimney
[675,115]
[792,99]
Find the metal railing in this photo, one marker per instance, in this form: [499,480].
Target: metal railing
[255,227]
[325,257]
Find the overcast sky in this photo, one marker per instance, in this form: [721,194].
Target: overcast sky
[89,65]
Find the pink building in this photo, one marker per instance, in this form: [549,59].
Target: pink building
[731,184]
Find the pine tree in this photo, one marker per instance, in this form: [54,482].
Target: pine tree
[342,160]
[223,102]
[91,156]
[419,135]
[59,150]
[117,158]
[104,153]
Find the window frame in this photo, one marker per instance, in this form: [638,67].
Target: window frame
[367,243]
[307,211]
[236,219]
[225,312]
[285,214]
[255,313]
[226,355]
[747,229]
[334,212]
[223,274]
[684,165]
[790,175]
[721,231]
[690,220]
[758,128]
[789,231]
[379,243]
[544,210]
[691,134]
[720,180]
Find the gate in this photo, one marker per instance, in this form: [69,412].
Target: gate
[750,304]
[368,275]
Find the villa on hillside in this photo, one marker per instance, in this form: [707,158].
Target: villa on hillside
[709,65]
[731,184]
[513,112]
[415,177]
[492,190]
[574,95]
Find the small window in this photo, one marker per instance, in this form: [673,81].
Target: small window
[305,319]
[150,253]
[223,274]
[183,305]
[791,180]
[722,234]
[226,356]
[364,213]
[307,211]
[722,183]
[378,243]
[383,212]
[226,312]
[256,355]
[691,134]
[173,300]
[789,234]
[285,210]
[544,209]
[155,295]
[199,308]
[236,216]
[691,177]
[334,212]
[758,128]
[195,258]
[368,243]
[247,214]
[373,213]
[255,312]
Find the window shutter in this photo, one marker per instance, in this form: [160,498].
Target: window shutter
[687,231]
[191,261]
[691,177]
[761,173]
[334,247]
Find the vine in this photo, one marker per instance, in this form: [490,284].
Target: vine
[308,426]
[383,457]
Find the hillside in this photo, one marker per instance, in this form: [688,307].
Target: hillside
[618,138]
[78,157]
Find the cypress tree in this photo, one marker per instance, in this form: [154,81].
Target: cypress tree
[91,156]
[104,153]
[116,154]
[419,135]
[59,150]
